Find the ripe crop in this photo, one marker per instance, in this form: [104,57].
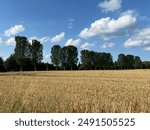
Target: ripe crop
[75,91]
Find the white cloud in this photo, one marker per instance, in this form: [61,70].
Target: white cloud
[14,30]
[47,39]
[107,28]
[147,48]
[73,42]
[130,12]
[11,41]
[87,46]
[58,38]
[108,45]
[110,5]
[1,41]
[140,39]
[43,40]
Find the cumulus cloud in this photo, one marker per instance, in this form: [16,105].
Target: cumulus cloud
[140,39]
[110,5]
[58,38]
[107,28]
[43,40]
[108,45]
[130,12]
[11,41]
[14,30]
[73,42]
[87,46]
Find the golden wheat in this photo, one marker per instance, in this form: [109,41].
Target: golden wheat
[75,91]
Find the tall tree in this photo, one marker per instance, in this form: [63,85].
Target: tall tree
[109,60]
[121,61]
[137,62]
[22,51]
[36,52]
[69,57]
[93,59]
[56,55]
[130,61]
[86,59]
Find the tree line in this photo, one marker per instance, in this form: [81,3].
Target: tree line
[28,57]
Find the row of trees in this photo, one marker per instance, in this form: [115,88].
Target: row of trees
[29,56]
[129,62]
[96,60]
[67,57]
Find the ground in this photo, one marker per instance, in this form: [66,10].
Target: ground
[75,91]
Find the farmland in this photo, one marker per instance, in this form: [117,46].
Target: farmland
[75,91]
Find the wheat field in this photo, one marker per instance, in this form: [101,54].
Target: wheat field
[75,91]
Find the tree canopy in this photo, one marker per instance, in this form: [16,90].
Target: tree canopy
[29,56]
[36,53]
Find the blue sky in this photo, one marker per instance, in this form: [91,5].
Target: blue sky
[115,26]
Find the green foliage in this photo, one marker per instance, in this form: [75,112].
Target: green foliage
[137,62]
[36,52]
[96,60]
[69,57]
[56,55]
[121,61]
[86,59]
[22,51]
[66,57]
[129,62]
[146,65]
[11,64]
